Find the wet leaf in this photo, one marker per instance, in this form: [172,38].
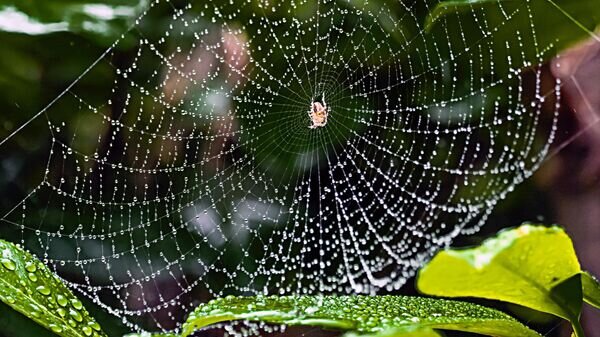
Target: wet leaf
[409,316]
[404,332]
[591,289]
[532,266]
[29,287]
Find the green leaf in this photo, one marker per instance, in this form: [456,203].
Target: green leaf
[591,289]
[414,316]
[29,287]
[569,295]
[102,21]
[404,332]
[532,266]
[445,8]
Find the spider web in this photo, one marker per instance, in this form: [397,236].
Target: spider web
[198,175]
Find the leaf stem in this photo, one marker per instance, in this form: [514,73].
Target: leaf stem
[577,328]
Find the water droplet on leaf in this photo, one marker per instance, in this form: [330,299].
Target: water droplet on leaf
[62,301]
[43,290]
[8,264]
[76,304]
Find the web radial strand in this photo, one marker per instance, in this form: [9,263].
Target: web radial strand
[199,175]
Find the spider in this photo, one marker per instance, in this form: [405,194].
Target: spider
[318,114]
